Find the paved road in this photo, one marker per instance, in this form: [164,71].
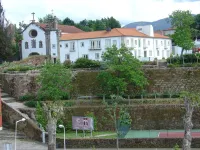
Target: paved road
[31,145]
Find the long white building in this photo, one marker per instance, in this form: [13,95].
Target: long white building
[70,43]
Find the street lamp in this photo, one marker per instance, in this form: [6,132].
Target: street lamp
[62,126]
[22,120]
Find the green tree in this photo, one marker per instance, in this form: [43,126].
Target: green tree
[55,82]
[117,114]
[123,70]
[191,100]
[48,18]
[111,22]
[182,21]
[5,44]
[68,21]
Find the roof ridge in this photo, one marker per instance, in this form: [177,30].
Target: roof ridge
[119,31]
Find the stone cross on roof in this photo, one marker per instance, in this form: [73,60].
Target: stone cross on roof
[33,17]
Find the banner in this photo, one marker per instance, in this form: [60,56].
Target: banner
[82,123]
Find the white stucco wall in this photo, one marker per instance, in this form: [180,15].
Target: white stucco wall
[53,41]
[85,50]
[138,52]
[148,30]
[26,38]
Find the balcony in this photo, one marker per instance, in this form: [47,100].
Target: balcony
[94,48]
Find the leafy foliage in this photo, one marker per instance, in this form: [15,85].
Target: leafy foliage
[123,69]
[5,44]
[188,58]
[86,63]
[182,21]
[47,18]
[40,115]
[54,80]
[91,114]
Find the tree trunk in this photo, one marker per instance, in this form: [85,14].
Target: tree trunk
[51,134]
[188,125]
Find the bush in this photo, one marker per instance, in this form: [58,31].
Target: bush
[27,97]
[31,104]
[67,63]
[19,68]
[188,58]
[86,63]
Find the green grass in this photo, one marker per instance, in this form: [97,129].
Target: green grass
[102,135]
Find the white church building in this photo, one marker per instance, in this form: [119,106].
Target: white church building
[70,43]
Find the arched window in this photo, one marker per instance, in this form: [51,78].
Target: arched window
[26,45]
[33,43]
[40,44]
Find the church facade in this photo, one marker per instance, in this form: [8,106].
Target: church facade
[70,43]
[43,39]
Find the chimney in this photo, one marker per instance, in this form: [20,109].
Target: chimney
[148,30]
[55,23]
[108,29]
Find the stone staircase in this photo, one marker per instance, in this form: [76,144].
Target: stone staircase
[8,134]
[11,101]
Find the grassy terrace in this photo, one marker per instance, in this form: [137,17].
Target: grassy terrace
[103,134]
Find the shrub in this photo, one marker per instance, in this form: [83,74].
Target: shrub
[31,104]
[27,97]
[86,63]
[19,68]
[67,63]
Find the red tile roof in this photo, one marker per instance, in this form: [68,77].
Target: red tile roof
[64,28]
[116,32]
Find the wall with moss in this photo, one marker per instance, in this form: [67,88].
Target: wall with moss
[85,83]
[144,117]
[125,143]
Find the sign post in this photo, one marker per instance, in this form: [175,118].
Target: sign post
[83,123]
[0,111]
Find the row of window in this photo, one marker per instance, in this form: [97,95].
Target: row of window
[96,44]
[151,53]
[97,56]
[145,42]
[33,44]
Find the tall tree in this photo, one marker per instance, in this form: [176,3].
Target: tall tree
[182,21]
[123,69]
[118,115]
[191,100]
[111,22]
[5,44]
[47,18]
[196,27]
[55,81]
[68,21]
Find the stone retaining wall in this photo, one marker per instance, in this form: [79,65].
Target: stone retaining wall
[29,128]
[160,81]
[126,143]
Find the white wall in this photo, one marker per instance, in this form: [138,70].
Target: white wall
[80,51]
[149,47]
[138,52]
[53,41]
[27,38]
[148,30]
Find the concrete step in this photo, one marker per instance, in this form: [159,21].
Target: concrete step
[4,95]
[6,134]
[8,99]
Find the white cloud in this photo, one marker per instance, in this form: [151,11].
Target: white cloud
[125,11]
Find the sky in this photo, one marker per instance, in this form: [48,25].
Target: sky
[126,11]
